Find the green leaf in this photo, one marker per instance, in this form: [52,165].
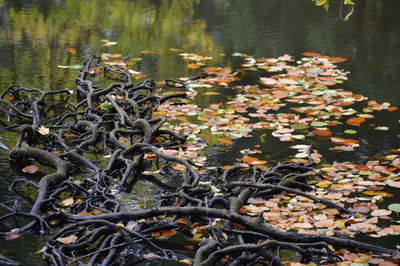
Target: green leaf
[326,6]
[394,207]
[299,126]
[237,54]
[350,131]
[235,136]
[348,2]
[318,124]
[106,106]
[320,2]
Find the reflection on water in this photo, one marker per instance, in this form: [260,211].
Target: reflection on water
[34,36]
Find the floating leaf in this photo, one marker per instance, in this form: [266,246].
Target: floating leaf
[318,124]
[237,54]
[350,131]
[71,50]
[30,169]
[381,212]
[355,121]
[193,66]
[67,240]
[109,43]
[394,207]
[308,54]
[322,133]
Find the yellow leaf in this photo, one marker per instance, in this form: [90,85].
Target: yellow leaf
[186,262]
[43,130]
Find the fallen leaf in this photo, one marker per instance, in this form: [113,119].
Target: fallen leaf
[43,130]
[30,169]
[67,240]
[193,66]
[310,54]
[67,202]
[150,256]
[355,121]
[13,236]
[381,212]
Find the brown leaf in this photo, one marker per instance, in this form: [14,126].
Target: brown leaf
[30,169]
[324,223]
[14,236]
[67,240]
[381,212]
[67,202]
[150,256]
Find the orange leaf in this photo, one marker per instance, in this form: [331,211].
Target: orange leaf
[337,59]
[30,169]
[85,214]
[311,54]
[355,121]
[193,66]
[186,261]
[138,76]
[391,109]
[279,94]
[249,159]
[225,141]
[14,236]
[71,50]
[322,133]
[145,52]
[168,233]
[67,240]
[115,55]
[155,234]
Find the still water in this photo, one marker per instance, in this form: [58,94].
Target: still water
[34,36]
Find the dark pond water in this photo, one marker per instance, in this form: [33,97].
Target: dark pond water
[34,36]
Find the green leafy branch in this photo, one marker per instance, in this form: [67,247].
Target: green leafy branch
[349,3]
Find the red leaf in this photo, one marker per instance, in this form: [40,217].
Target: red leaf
[30,169]
[355,121]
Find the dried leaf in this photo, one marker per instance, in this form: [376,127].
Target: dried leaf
[30,169]
[43,130]
[67,240]
[381,212]
[150,256]
[67,202]
[14,236]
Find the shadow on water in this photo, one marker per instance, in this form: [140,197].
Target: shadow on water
[35,34]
